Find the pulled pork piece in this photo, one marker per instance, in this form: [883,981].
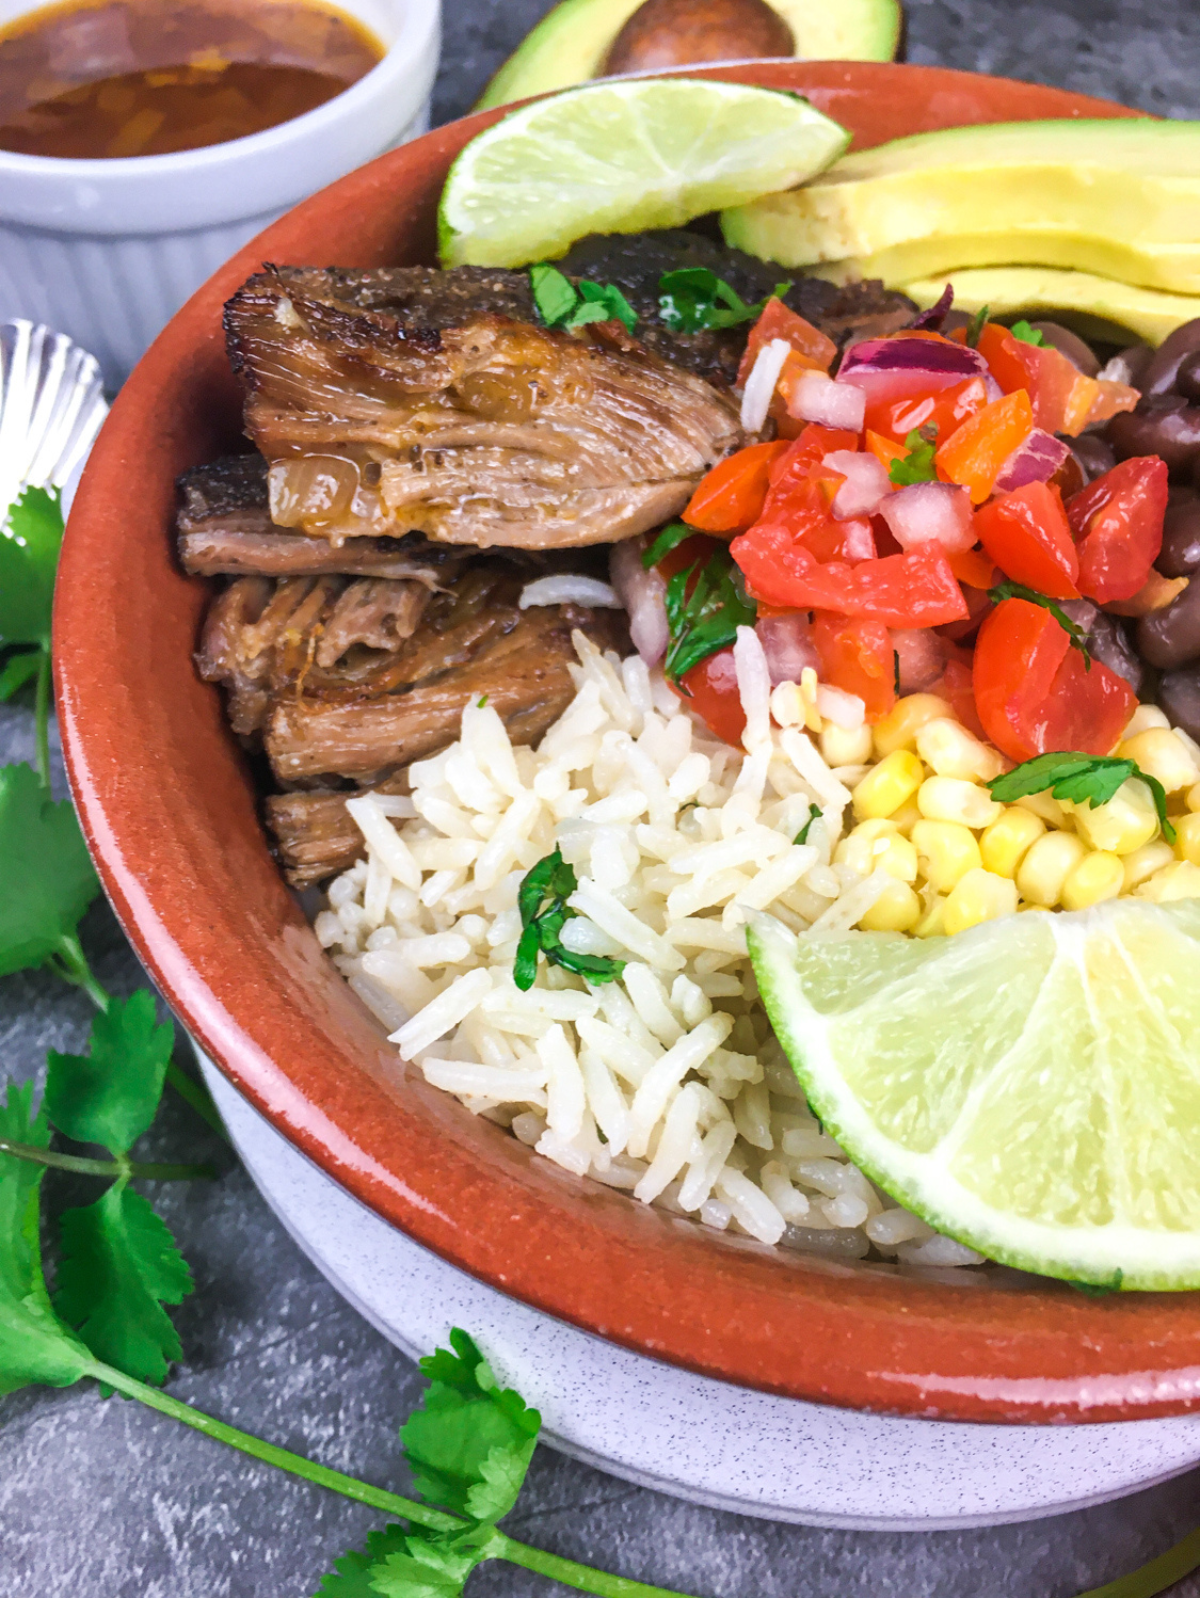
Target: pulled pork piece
[407,399]
[374,612]
[314,835]
[225,529]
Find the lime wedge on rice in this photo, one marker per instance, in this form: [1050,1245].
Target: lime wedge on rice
[622,156]
[1030,1087]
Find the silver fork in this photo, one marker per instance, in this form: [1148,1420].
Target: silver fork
[51,408]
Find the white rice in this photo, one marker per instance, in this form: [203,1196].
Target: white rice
[669,1083]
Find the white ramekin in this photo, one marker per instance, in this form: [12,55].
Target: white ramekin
[107,251]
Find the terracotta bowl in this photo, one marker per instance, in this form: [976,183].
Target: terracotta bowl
[172,818]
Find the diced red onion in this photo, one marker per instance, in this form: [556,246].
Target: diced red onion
[866,482]
[817,398]
[921,656]
[935,315]
[858,539]
[642,594]
[925,512]
[788,646]
[568,588]
[760,385]
[1034,461]
[941,358]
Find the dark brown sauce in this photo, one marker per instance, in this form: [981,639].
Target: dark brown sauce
[147,77]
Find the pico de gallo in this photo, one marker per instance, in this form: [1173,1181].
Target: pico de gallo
[917,523]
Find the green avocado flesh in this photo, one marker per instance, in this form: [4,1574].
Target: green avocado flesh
[1115,198]
[569,45]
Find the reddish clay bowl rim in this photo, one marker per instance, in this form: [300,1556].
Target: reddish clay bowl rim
[170,814]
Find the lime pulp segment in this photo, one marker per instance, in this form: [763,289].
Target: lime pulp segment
[1030,1087]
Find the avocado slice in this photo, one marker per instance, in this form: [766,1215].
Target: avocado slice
[1117,198]
[1098,307]
[569,44]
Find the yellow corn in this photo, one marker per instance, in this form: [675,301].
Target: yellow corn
[897,909]
[888,785]
[1178,881]
[1145,716]
[1046,867]
[1161,754]
[1187,837]
[1098,876]
[1124,824]
[899,728]
[1193,798]
[1005,843]
[1050,811]
[842,748]
[946,851]
[979,896]
[877,845]
[1144,862]
[952,799]
[905,819]
[933,921]
[949,750]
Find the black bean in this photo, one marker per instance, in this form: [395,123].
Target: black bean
[1160,374]
[1179,699]
[1110,644]
[1070,344]
[1187,379]
[1093,453]
[1165,425]
[1135,359]
[1170,637]
[1180,553]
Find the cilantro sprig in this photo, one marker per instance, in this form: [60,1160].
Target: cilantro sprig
[1081,778]
[542,902]
[670,538]
[30,537]
[564,304]
[707,619]
[977,325]
[693,299]
[1075,633]
[1026,333]
[918,465]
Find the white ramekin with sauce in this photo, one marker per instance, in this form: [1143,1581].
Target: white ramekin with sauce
[108,250]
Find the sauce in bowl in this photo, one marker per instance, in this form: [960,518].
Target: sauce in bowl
[148,77]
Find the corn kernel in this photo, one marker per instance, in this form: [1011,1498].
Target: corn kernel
[1124,824]
[842,748]
[896,910]
[952,799]
[1098,876]
[1144,862]
[888,785]
[905,819]
[1178,881]
[1145,716]
[1049,809]
[979,896]
[1005,843]
[899,728]
[933,922]
[1048,864]
[876,845]
[1187,837]
[946,851]
[949,750]
[1161,754]
[1192,798]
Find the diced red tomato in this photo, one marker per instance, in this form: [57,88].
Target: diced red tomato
[801,494]
[1035,693]
[856,655]
[730,497]
[809,450]
[1027,535]
[913,590]
[851,540]
[974,453]
[711,689]
[1011,361]
[946,409]
[973,566]
[777,321]
[899,391]
[1118,522]
[1064,399]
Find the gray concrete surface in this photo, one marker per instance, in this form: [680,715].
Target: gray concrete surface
[101,1499]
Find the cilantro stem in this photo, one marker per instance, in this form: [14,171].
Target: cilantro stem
[566,1571]
[196,1095]
[113,1168]
[41,717]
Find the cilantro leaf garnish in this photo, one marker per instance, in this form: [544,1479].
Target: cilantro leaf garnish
[353,1574]
[978,322]
[17,671]
[542,901]
[119,1267]
[707,619]
[917,466]
[1027,334]
[1076,634]
[110,1095]
[48,879]
[694,299]
[561,303]
[1080,778]
[29,544]
[670,538]
[802,835]
[431,1568]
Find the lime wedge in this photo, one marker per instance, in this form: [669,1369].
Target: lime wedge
[619,157]
[1030,1087]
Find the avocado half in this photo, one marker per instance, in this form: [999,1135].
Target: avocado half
[570,43]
